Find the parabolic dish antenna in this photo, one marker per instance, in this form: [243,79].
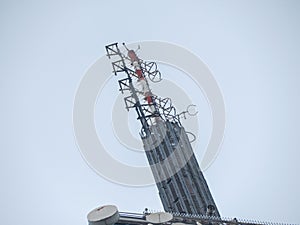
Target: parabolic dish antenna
[104,215]
[160,217]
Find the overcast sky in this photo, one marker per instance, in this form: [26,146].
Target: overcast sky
[46,47]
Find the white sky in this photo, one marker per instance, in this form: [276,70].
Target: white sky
[252,48]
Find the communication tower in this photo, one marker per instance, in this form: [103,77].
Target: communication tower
[180,182]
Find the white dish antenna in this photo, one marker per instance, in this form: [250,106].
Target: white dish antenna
[104,215]
[160,217]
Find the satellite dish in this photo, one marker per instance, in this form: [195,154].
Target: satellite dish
[160,217]
[104,215]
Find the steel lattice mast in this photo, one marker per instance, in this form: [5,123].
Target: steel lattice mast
[181,184]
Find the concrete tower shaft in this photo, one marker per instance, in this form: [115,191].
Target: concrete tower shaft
[181,184]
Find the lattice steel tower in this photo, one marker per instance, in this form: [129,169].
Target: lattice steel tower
[181,184]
